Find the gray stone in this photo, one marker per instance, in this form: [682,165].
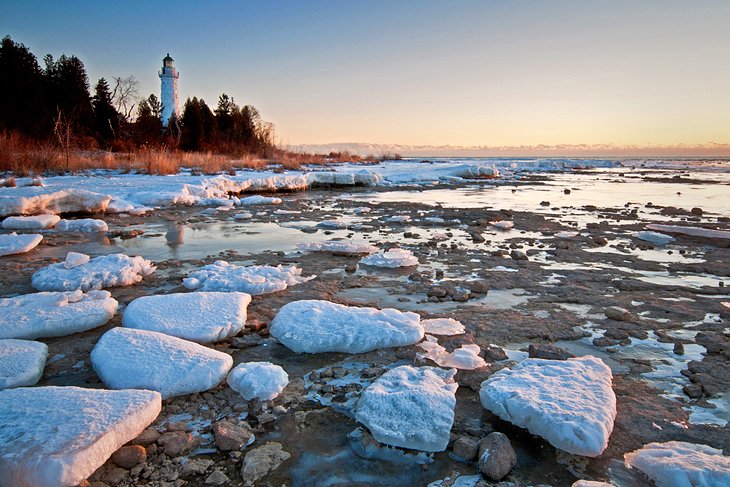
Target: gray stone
[261,461]
[466,447]
[479,287]
[178,443]
[617,313]
[230,436]
[496,456]
[196,466]
[147,437]
[217,478]
[129,456]
[549,352]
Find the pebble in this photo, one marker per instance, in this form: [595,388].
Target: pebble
[129,456]
[231,436]
[178,443]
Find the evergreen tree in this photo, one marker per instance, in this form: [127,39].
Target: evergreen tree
[67,86]
[191,124]
[22,101]
[148,126]
[106,117]
[210,129]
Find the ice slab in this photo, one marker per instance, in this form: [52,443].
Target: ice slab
[410,407]
[82,225]
[502,224]
[691,231]
[254,280]
[100,272]
[199,317]
[681,464]
[475,171]
[314,326]
[570,402]
[21,362]
[391,259]
[654,237]
[466,357]
[64,201]
[259,200]
[54,314]
[58,436]
[125,358]
[38,222]
[75,259]
[339,247]
[18,244]
[443,326]
[262,380]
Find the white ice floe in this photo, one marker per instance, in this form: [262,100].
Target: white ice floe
[125,358]
[243,216]
[691,231]
[59,436]
[566,234]
[313,326]
[475,171]
[398,219]
[287,212]
[200,317]
[38,222]
[331,224]
[75,259]
[21,362]
[410,407]
[502,224]
[391,259]
[442,326]
[262,380]
[339,247]
[654,237]
[54,314]
[99,272]
[13,243]
[82,225]
[570,402]
[466,357]
[64,201]
[590,483]
[681,464]
[254,280]
[258,200]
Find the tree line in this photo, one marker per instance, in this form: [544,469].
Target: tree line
[54,101]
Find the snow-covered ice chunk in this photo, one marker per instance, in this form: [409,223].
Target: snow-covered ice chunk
[54,314]
[82,225]
[466,357]
[410,407]
[125,358]
[398,219]
[18,244]
[681,464]
[691,231]
[100,272]
[566,234]
[339,247]
[254,280]
[314,326]
[58,436]
[75,259]
[65,201]
[471,171]
[200,317]
[570,402]
[502,224]
[38,222]
[331,224]
[259,200]
[443,326]
[21,362]
[392,258]
[262,380]
[654,237]
[243,216]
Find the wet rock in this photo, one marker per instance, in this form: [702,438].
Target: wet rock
[496,456]
[679,348]
[266,418]
[145,438]
[566,191]
[230,436]
[437,292]
[461,296]
[693,390]
[697,211]
[616,334]
[247,341]
[371,372]
[544,203]
[600,241]
[178,443]
[549,352]
[115,476]
[617,313]
[217,478]
[466,447]
[129,456]
[494,354]
[479,287]
[262,460]
[196,466]
[477,237]
[604,342]
[518,255]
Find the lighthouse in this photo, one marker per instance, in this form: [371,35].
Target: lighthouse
[168,76]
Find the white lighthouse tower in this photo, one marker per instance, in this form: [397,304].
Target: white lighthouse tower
[169,75]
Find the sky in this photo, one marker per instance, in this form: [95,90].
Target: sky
[457,73]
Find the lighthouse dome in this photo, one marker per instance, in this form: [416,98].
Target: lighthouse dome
[167,61]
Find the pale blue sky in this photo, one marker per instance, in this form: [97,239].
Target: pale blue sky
[419,72]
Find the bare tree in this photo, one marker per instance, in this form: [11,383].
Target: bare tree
[63,130]
[125,95]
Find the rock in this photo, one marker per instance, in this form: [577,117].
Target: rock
[566,191]
[477,237]
[262,460]
[178,443]
[145,438]
[600,241]
[493,353]
[479,287]
[496,456]
[461,296]
[129,456]
[518,255]
[544,203]
[697,211]
[436,292]
[693,390]
[550,352]
[217,478]
[196,466]
[679,348]
[617,313]
[230,436]
[466,447]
